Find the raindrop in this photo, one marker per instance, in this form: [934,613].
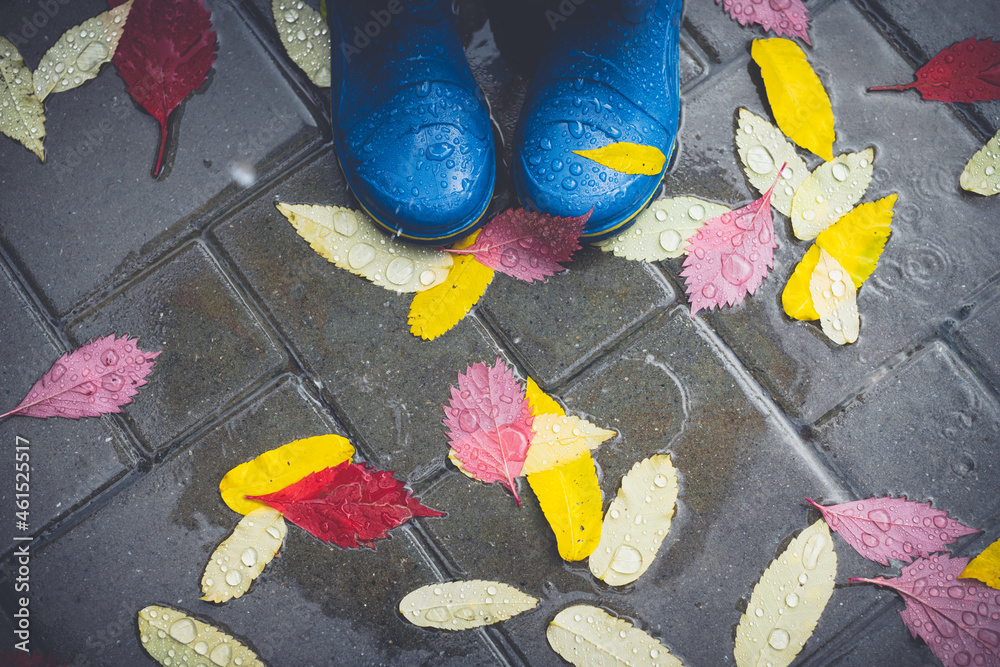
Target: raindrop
[881,519]
[93,55]
[670,240]
[660,481]
[569,183]
[792,600]
[813,550]
[360,255]
[58,370]
[109,358]
[736,269]
[112,382]
[221,655]
[708,291]
[183,630]
[661,215]
[840,171]
[697,212]
[576,129]
[201,648]
[400,270]
[465,613]
[345,223]
[468,421]
[989,637]
[627,560]
[759,159]
[509,257]
[427,277]
[249,557]
[233,578]
[778,639]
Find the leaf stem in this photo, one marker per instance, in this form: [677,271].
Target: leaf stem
[158,168]
[901,86]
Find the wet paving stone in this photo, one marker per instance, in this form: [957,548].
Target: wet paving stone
[213,347]
[91,213]
[352,335]
[978,333]
[927,431]
[314,605]
[67,460]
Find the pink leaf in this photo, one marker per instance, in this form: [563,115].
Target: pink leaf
[784,17]
[884,528]
[489,424]
[730,255]
[959,619]
[528,245]
[93,380]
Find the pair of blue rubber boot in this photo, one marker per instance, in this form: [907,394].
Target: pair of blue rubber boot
[414,136]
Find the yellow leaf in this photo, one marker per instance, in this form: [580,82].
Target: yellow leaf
[277,468]
[628,158]
[22,117]
[796,299]
[461,605]
[570,498]
[985,567]
[835,299]
[77,56]
[788,600]
[800,104]
[559,439]
[437,310]
[857,239]
[172,638]
[540,402]
[242,556]
[831,189]
[589,636]
[306,38]
[352,241]
[636,522]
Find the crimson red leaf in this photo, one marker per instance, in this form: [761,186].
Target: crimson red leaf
[884,528]
[165,52]
[95,379]
[959,619]
[967,71]
[527,245]
[348,505]
[784,17]
[730,255]
[489,424]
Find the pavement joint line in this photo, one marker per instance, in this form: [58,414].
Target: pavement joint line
[765,404]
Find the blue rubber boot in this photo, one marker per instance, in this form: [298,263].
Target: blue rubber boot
[410,124]
[609,74]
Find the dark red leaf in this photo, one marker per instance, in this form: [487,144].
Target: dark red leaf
[349,505]
[967,71]
[784,17]
[17,658]
[958,618]
[166,50]
[884,528]
[95,379]
[527,245]
[489,424]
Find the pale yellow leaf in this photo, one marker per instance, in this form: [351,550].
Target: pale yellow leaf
[21,115]
[242,556]
[352,241]
[570,498]
[763,149]
[560,439]
[436,310]
[306,38]
[661,231]
[636,522]
[277,468]
[835,299]
[831,191]
[628,158]
[461,605]
[77,56]
[590,637]
[787,601]
[982,173]
[174,639]
[800,104]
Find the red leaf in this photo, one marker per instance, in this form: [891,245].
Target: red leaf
[967,71]
[784,17]
[527,245]
[95,379]
[884,528]
[165,52]
[348,505]
[17,658]
[489,424]
[730,255]
[959,620]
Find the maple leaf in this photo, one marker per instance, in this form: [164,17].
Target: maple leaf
[966,71]
[784,17]
[729,257]
[884,528]
[959,620]
[93,380]
[985,567]
[165,53]
[350,504]
[489,424]
[527,245]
